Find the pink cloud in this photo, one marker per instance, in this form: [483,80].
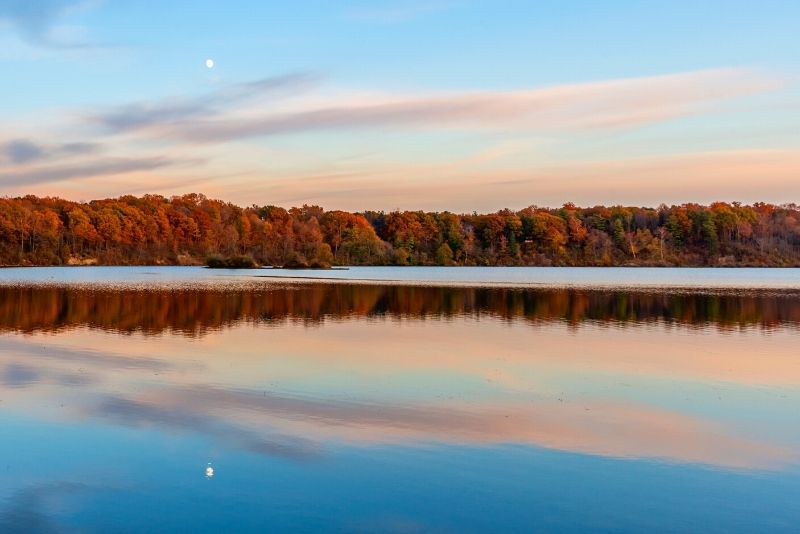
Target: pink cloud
[623,103]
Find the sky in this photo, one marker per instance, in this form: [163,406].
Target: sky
[452,105]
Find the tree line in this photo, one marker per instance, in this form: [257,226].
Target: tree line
[187,229]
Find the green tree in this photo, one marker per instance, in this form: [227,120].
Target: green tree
[444,255]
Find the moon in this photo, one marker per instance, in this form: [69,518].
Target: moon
[210,63]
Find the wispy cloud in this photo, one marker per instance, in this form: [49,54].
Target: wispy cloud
[136,116]
[625,103]
[101,167]
[36,21]
[748,175]
[29,162]
[242,139]
[22,151]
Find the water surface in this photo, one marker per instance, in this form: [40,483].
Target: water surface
[395,408]
[578,277]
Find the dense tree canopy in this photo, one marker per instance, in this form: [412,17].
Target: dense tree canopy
[186,229]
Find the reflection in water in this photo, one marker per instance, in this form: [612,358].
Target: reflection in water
[196,312]
[296,391]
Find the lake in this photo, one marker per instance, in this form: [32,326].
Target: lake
[579,277]
[399,400]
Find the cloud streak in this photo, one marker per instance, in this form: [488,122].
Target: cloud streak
[466,186]
[102,167]
[24,151]
[35,20]
[625,103]
[138,116]
[530,144]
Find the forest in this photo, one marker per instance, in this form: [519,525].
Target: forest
[189,229]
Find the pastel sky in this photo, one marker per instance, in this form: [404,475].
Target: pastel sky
[423,104]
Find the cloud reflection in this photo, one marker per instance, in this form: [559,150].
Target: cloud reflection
[19,375]
[26,510]
[294,372]
[593,427]
[172,418]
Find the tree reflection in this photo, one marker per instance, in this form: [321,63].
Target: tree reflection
[195,312]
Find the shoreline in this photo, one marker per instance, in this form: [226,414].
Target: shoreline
[265,283]
[348,267]
[658,280]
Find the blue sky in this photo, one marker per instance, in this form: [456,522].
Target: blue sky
[430,104]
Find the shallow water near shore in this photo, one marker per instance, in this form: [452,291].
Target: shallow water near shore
[186,400]
[544,277]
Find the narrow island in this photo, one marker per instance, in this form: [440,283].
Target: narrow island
[295,261]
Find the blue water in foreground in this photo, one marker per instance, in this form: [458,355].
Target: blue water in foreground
[378,408]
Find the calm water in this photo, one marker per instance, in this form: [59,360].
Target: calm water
[582,277]
[395,408]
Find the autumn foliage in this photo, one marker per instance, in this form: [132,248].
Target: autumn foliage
[188,229]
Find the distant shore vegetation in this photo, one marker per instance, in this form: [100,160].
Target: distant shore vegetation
[195,230]
[238,261]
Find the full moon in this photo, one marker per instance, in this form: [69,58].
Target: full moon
[210,63]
